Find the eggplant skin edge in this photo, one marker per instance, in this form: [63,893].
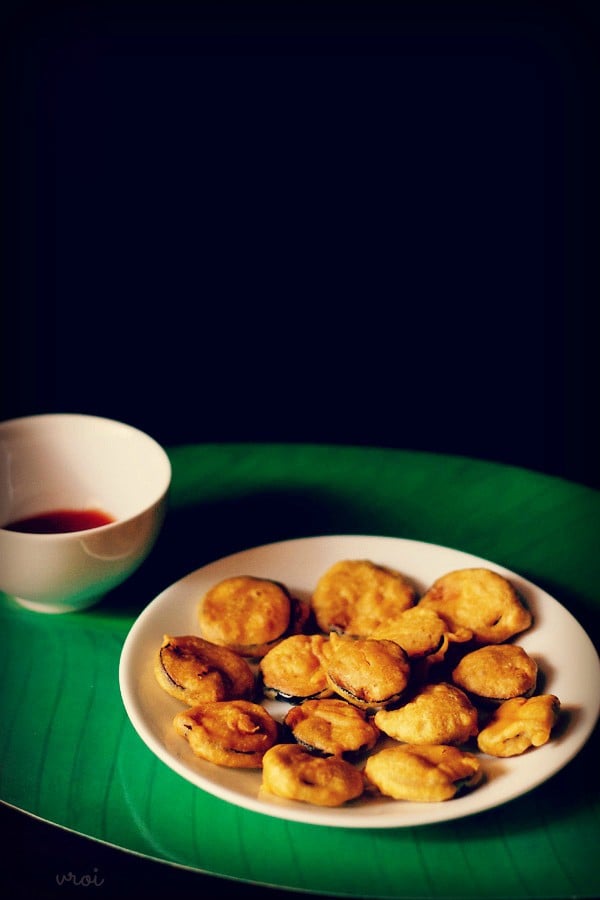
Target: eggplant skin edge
[164,668]
[366,704]
[295,699]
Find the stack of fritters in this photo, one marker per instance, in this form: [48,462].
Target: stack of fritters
[387,693]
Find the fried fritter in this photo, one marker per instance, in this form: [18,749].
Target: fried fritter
[232,733]
[421,632]
[481,601]
[249,615]
[439,714]
[356,596]
[332,727]
[369,674]
[496,673]
[194,670]
[426,773]
[292,772]
[519,724]
[294,669]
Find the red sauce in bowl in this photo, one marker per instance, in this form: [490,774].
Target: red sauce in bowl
[60,521]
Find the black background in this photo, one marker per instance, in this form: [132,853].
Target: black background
[348,223]
[343,223]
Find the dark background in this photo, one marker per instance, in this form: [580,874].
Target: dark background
[372,224]
[327,222]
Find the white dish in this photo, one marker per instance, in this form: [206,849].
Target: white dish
[566,657]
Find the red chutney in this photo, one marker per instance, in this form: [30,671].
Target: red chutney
[60,521]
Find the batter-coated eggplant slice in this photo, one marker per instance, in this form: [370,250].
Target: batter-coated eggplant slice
[480,600]
[519,724]
[439,714]
[422,633]
[356,596]
[294,670]
[496,673]
[426,773]
[232,733]
[249,614]
[368,673]
[194,670]
[332,727]
[291,772]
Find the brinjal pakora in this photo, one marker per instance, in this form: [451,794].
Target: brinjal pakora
[294,670]
[496,672]
[481,601]
[438,714]
[425,773]
[291,772]
[368,673]
[250,615]
[422,633]
[233,733]
[519,724]
[354,597]
[332,727]
[193,670]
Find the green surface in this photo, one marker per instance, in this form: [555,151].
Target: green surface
[68,753]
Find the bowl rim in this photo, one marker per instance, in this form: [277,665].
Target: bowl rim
[156,500]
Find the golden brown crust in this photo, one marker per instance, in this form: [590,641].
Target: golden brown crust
[427,773]
[356,596]
[369,674]
[247,614]
[194,670]
[481,601]
[232,733]
[519,724]
[421,632]
[332,726]
[438,714]
[291,772]
[497,672]
[294,669]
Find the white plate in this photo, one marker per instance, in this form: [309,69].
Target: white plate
[567,659]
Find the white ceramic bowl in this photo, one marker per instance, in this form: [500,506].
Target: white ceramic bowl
[69,461]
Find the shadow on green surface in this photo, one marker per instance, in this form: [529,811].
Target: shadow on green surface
[196,535]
